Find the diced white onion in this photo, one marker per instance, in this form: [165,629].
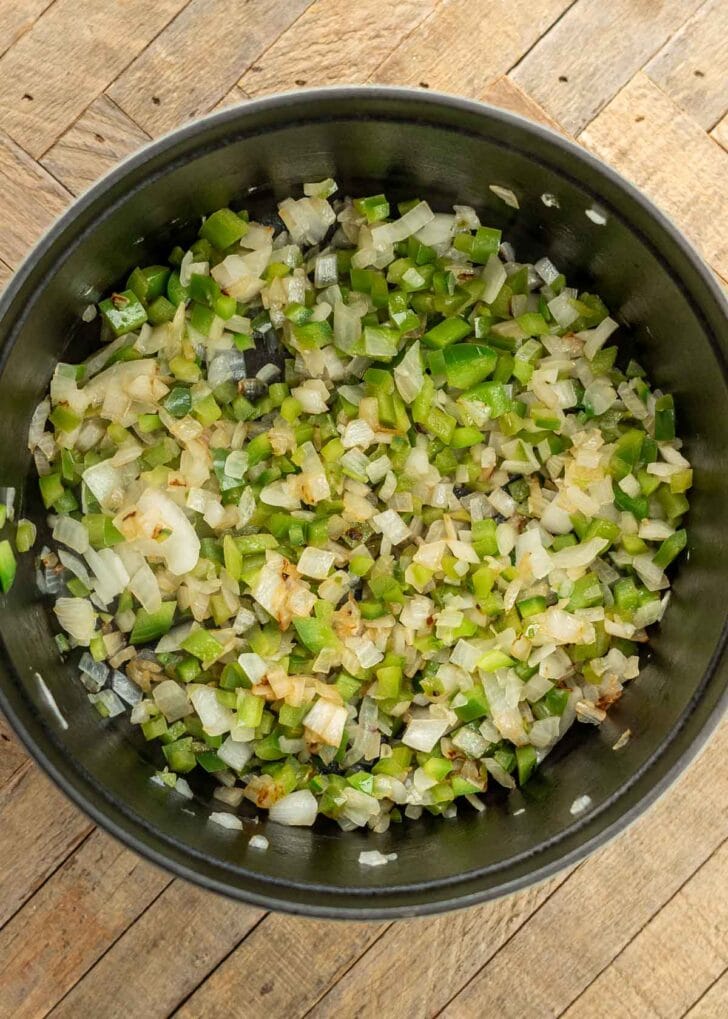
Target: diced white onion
[326,721]
[505,194]
[424,733]
[171,699]
[315,563]
[225,820]
[296,809]
[77,617]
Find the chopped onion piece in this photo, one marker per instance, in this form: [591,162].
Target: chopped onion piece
[580,804]
[373,858]
[77,617]
[171,700]
[424,733]
[326,721]
[297,808]
[315,563]
[225,820]
[505,194]
[72,533]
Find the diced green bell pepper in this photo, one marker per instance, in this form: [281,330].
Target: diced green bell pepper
[450,330]
[124,312]
[223,228]
[150,626]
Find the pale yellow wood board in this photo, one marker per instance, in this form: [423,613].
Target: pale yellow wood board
[659,972]
[17,18]
[463,46]
[607,900]
[653,143]
[439,966]
[720,132]
[52,73]
[175,943]
[198,58]
[714,1003]
[101,137]
[311,955]
[365,32]
[593,51]
[506,94]
[692,67]
[31,200]
[81,909]
[38,829]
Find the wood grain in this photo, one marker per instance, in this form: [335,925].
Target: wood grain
[12,756]
[77,913]
[235,96]
[282,968]
[192,63]
[659,972]
[171,948]
[692,67]
[577,67]
[69,55]
[23,221]
[638,931]
[714,1003]
[506,94]
[101,137]
[720,132]
[666,154]
[39,827]
[5,273]
[18,18]
[439,967]
[607,900]
[365,33]
[463,46]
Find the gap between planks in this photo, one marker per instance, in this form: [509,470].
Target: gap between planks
[643,930]
[264,917]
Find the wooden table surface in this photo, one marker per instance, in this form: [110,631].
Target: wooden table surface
[87,928]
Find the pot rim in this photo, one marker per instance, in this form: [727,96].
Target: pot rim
[679,747]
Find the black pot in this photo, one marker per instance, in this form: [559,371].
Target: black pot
[446,150]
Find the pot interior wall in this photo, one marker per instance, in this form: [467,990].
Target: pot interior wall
[445,156]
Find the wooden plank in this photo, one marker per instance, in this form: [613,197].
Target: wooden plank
[281,969]
[100,138]
[49,77]
[234,97]
[644,979]
[12,755]
[335,41]
[5,273]
[464,46]
[692,67]
[71,920]
[18,18]
[593,51]
[645,136]
[31,201]
[508,96]
[720,132]
[170,949]
[714,1003]
[39,827]
[606,901]
[449,951]
[198,58]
